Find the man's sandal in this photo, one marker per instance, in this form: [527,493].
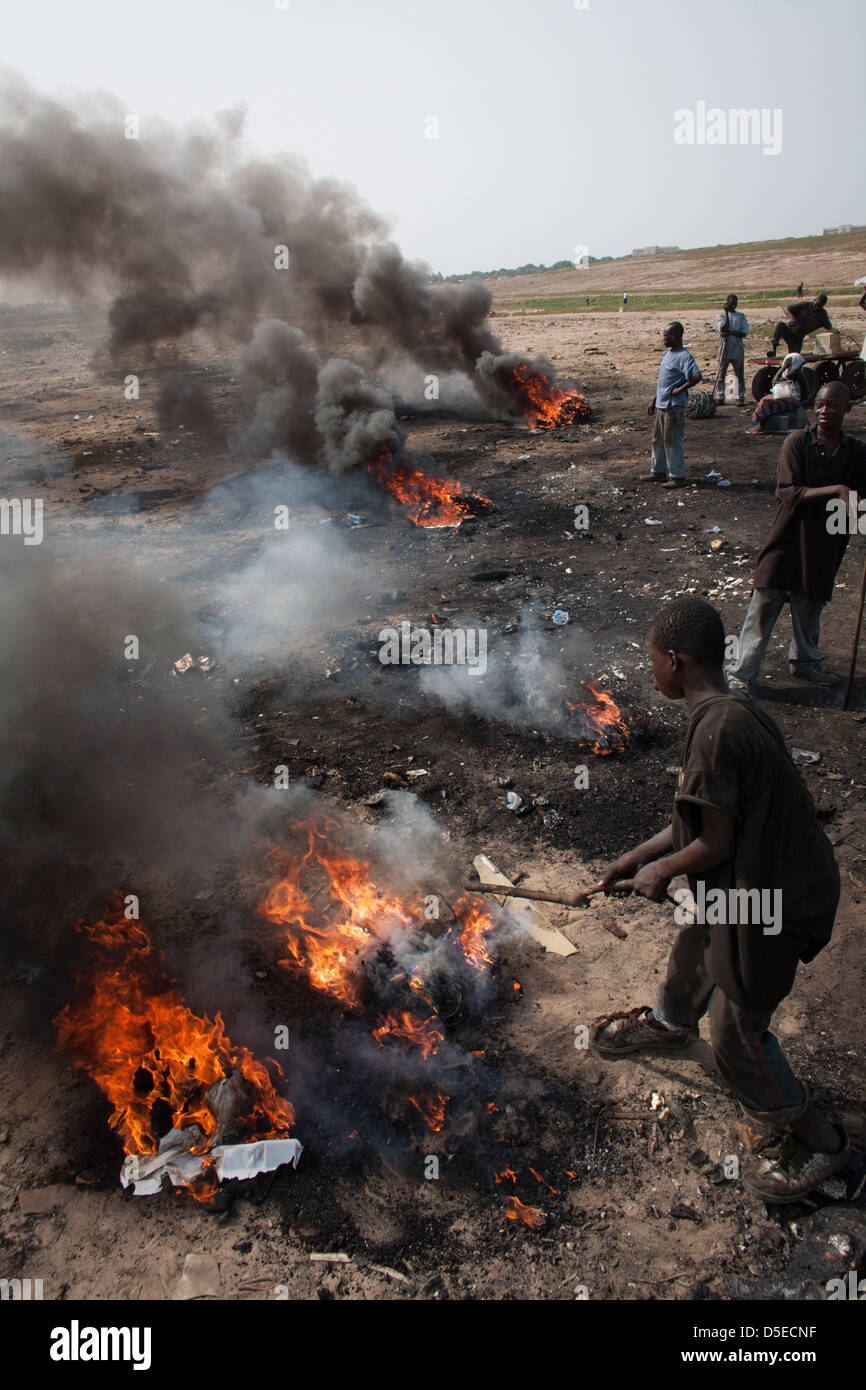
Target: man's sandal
[637,1030]
[786,1170]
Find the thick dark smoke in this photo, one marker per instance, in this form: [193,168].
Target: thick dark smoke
[186,231]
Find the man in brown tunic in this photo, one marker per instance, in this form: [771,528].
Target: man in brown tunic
[766,886]
[800,558]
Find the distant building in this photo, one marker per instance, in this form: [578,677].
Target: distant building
[653,250]
[844,227]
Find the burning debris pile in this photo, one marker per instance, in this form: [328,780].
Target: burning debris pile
[177,1085]
[412,966]
[189,233]
[431,502]
[605,729]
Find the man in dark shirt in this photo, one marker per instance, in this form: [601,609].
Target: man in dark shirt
[800,558]
[804,316]
[766,887]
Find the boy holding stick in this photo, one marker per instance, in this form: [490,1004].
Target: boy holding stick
[744,831]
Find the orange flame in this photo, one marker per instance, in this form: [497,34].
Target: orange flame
[430,501]
[141,1044]
[328,945]
[425,1036]
[506,1174]
[533,1217]
[431,1109]
[546,405]
[604,720]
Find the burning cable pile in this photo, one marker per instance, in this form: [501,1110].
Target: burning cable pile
[605,729]
[431,502]
[176,1083]
[370,950]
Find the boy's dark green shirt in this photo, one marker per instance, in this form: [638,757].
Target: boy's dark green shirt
[735,759]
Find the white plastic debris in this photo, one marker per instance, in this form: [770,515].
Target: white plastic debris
[714,473]
[802,755]
[649,521]
[723,482]
[145,1172]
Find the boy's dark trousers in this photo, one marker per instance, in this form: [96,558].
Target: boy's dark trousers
[748,1056]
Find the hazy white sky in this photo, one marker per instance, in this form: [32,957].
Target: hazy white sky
[556,123]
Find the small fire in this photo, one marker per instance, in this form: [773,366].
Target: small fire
[605,727]
[431,502]
[423,1035]
[546,405]
[135,1036]
[533,1217]
[507,1175]
[431,1109]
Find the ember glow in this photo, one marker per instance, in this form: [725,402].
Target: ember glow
[606,729]
[431,502]
[533,1217]
[134,1035]
[545,405]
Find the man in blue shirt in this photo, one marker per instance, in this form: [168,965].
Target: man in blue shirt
[677,372]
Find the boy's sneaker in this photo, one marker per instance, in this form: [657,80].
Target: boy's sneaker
[786,1170]
[637,1030]
[750,688]
[674,482]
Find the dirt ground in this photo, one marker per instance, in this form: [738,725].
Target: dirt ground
[636,1152]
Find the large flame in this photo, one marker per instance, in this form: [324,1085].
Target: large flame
[546,405]
[132,1032]
[334,919]
[328,943]
[605,726]
[431,502]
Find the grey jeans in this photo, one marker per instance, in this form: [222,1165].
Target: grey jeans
[669,444]
[763,614]
[748,1056]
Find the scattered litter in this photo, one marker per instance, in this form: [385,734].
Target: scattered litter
[513,801]
[356,519]
[338,1258]
[716,545]
[39,1201]
[712,530]
[523,458]
[656,1100]
[713,473]
[560,617]
[649,521]
[418,772]
[145,1172]
[377,799]
[187,662]
[200,1278]
[802,755]
[505,782]
[723,482]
